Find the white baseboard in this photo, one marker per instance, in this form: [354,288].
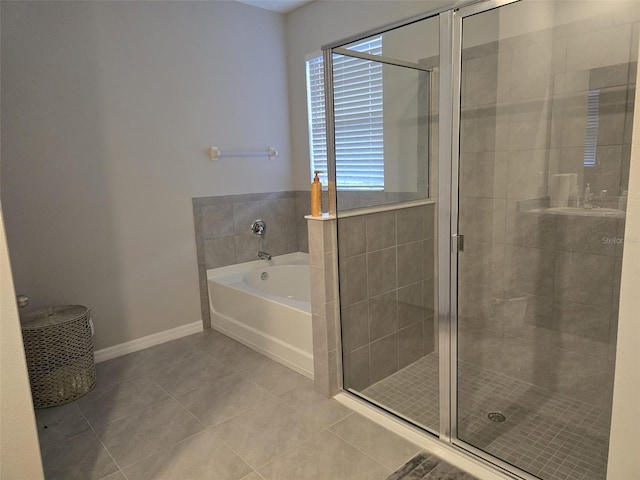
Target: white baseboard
[146,342]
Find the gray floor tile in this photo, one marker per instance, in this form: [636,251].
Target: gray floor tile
[105,404]
[82,458]
[209,341]
[324,457]
[412,392]
[201,457]
[165,354]
[272,376]
[118,370]
[266,431]
[253,476]
[189,374]
[251,427]
[114,476]
[544,429]
[416,468]
[223,398]
[325,410]
[386,447]
[424,465]
[136,436]
[236,356]
[60,423]
[441,472]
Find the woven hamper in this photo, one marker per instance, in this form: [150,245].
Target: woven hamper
[59,351]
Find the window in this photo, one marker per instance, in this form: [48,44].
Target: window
[591,137]
[358,118]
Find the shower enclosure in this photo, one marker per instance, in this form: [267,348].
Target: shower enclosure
[479,278]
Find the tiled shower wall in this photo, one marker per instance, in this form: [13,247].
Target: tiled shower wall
[223,235]
[538,292]
[386,292]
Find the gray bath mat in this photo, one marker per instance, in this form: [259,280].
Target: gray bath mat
[429,467]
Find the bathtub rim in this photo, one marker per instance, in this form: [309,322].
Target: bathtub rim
[232,276]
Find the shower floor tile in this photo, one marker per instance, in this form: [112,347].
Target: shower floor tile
[547,434]
[411,393]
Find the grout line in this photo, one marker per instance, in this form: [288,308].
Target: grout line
[180,404]
[253,470]
[167,446]
[151,405]
[363,452]
[235,414]
[120,469]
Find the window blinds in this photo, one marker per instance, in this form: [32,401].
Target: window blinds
[358,118]
[591,137]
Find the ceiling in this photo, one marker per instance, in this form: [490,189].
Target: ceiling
[282,6]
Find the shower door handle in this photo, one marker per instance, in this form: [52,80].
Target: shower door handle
[457,244]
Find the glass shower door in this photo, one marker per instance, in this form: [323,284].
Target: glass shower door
[386,246]
[546,102]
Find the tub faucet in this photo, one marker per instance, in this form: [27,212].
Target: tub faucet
[264,255]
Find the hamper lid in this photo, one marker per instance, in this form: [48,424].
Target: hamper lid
[49,316]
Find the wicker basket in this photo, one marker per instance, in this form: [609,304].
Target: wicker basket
[59,351]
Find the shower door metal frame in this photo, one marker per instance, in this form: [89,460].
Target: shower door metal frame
[457,16]
[446,210]
[448,161]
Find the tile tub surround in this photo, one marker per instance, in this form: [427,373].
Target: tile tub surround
[223,237]
[249,419]
[387,292]
[323,268]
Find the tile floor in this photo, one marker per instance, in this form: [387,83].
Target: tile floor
[428,467]
[206,407]
[548,434]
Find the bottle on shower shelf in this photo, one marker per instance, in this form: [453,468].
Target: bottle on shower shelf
[587,197]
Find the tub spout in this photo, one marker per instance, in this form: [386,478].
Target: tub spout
[264,255]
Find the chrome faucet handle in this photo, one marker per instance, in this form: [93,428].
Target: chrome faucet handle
[259,227]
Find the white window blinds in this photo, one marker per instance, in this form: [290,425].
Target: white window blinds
[358,118]
[591,137]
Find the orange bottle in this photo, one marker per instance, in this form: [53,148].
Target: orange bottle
[316,195]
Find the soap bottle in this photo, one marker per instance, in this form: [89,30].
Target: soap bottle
[316,195]
[587,197]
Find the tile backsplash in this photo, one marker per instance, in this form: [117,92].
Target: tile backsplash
[224,237]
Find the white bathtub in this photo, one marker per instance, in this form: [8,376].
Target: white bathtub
[266,305]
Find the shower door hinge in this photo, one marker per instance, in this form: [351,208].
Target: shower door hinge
[457,244]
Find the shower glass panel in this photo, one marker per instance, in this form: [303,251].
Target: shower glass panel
[547,91]
[386,244]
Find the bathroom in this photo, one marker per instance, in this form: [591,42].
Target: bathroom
[109,111]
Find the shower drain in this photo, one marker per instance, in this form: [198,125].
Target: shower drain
[496,417]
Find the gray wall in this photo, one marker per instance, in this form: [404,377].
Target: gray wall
[223,236]
[108,110]
[386,292]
